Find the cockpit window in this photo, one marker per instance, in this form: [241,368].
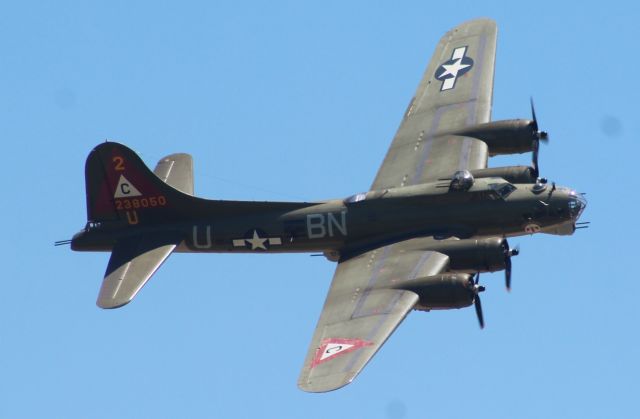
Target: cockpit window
[502,189]
[355,198]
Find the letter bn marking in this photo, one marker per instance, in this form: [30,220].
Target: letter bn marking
[319,225]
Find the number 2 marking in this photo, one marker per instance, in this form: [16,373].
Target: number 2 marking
[119,162]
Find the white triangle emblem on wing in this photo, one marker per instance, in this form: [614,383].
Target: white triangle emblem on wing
[333,347]
[125,189]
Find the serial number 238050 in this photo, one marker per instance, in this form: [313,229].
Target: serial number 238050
[135,203]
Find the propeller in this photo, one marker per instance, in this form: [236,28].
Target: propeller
[508,253]
[477,289]
[537,137]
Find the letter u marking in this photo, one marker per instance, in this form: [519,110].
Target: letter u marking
[207,244]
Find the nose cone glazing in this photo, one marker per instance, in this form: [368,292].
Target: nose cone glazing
[577,204]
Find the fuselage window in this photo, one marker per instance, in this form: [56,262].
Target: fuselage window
[502,189]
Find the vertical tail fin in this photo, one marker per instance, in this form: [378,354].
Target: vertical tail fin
[121,188]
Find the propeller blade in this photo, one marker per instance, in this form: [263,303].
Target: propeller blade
[477,289]
[541,135]
[508,253]
[534,158]
[507,273]
[533,115]
[478,306]
[537,137]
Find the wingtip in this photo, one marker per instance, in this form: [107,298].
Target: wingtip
[319,388]
[487,20]
[326,383]
[480,21]
[111,304]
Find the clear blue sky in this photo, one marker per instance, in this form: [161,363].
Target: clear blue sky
[299,100]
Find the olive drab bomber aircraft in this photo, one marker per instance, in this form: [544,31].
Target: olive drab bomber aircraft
[434,218]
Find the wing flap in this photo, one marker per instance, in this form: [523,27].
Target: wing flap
[132,263]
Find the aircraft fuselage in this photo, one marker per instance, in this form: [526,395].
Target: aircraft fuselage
[364,220]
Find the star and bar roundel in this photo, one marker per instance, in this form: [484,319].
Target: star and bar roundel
[333,347]
[449,71]
[256,239]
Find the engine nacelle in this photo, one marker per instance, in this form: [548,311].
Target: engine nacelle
[442,292]
[474,255]
[511,136]
[513,174]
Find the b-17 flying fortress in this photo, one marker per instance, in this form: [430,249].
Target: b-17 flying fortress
[434,217]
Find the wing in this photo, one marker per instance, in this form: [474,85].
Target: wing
[133,261]
[455,92]
[176,170]
[362,310]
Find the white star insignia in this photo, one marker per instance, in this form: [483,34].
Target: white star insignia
[256,241]
[453,69]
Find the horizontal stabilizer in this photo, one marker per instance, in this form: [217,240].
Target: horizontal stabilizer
[176,171]
[133,261]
